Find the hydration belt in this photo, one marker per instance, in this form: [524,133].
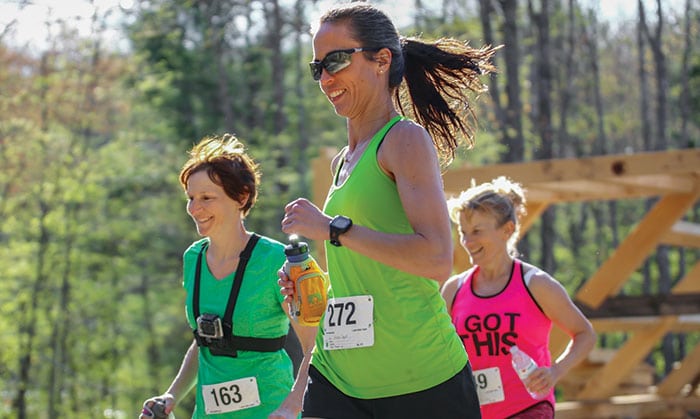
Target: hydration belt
[229,344]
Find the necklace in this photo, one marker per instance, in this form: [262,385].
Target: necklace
[359,149]
[360,146]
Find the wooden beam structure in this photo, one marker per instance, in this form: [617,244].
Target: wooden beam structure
[611,177]
[605,381]
[687,323]
[682,301]
[645,305]
[632,252]
[690,283]
[684,234]
[683,373]
[638,406]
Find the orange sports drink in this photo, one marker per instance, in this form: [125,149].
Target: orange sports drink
[310,283]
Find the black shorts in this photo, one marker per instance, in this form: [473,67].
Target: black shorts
[453,399]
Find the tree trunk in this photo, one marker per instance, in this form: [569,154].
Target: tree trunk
[485,12]
[568,146]
[59,335]
[643,84]
[685,107]
[513,129]
[274,25]
[252,81]
[301,72]
[222,51]
[28,319]
[662,258]
[684,138]
[656,44]
[153,345]
[509,116]
[542,119]
[601,144]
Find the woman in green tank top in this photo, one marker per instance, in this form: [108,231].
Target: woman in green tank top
[386,347]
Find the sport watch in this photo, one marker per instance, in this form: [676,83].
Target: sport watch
[339,225]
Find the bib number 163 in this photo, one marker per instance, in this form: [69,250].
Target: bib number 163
[231,396]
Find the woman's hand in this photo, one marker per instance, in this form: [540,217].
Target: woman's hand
[286,286]
[304,218]
[167,399]
[541,380]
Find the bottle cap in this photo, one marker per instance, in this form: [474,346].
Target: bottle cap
[295,247]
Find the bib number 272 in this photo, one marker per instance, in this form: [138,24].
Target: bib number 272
[349,323]
[340,314]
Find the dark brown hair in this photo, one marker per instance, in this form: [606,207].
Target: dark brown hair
[227,164]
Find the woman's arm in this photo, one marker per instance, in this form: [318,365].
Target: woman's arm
[187,375]
[559,307]
[181,384]
[292,405]
[408,156]
[449,290]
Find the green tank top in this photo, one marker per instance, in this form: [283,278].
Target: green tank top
[415,344]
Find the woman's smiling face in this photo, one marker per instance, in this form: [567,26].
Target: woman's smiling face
[351,89]
[482,237]
[209,205]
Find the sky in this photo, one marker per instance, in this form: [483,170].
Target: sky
[28,18]
[29,21]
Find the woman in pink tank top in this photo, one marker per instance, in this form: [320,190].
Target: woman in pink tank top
[501,302]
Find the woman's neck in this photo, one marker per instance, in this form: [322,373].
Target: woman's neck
[362,129]
[228,246]
[496,270]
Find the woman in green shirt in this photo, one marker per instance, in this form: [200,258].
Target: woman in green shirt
[386,347]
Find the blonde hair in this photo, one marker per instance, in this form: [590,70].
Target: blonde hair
[502,198]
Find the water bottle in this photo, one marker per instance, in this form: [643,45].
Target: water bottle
[310,283]
[524,365]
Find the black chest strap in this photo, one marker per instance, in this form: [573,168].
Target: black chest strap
[230,343]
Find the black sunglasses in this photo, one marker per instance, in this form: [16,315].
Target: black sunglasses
[335,61]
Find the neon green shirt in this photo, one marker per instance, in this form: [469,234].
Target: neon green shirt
[415,344]
[258,313]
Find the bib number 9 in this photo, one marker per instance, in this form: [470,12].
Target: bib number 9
[489,386]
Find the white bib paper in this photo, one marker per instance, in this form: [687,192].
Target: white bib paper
[231,396]
[489,386]
[349,323]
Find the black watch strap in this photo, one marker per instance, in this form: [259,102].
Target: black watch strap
[338,225]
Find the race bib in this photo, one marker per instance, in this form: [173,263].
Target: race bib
[349,323]
[489,386]
[231,396]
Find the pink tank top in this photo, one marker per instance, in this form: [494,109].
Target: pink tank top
[489,326]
